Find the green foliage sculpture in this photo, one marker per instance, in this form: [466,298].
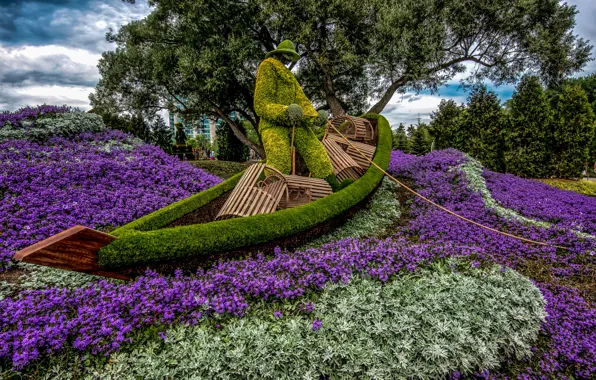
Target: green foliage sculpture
[283,107]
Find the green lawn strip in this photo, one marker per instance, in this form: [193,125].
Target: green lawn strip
[582,187]
[142,241]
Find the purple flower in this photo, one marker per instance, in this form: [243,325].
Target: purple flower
[316,325]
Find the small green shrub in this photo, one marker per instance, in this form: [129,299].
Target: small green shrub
[222,169]
[582,187]
[61,125]
[422,325]
[145,240]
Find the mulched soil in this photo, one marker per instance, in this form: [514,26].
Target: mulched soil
[204,214]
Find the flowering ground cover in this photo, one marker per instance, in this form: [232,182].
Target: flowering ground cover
[107,179]
[565,277]
[99,180]
[25,114]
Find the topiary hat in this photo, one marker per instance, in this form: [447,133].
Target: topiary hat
[285,47]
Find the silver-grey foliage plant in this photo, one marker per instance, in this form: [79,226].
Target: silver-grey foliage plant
[62,125]
[380,214]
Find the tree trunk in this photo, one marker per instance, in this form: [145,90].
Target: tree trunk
[332,100]
[239,134]
[380,105]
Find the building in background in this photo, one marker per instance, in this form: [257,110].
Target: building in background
[205,125]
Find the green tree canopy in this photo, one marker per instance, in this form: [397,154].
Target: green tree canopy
[228,145]
[202,56]
[420,140]
[445,124]
[573,131]
[481,132]
[528,134]
[400,139]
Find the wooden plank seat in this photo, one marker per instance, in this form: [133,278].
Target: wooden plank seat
[367,149]
[251,197]
[344,166]
[303,190]
[354,128]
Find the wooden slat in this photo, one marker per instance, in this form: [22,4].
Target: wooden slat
[237,201]
[318,188]
[247,199]
[74,249]
[344,166]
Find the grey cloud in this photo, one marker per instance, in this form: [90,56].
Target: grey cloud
[50,70]
[11,100]
[67,22]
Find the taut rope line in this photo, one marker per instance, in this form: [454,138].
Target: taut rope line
[438,205]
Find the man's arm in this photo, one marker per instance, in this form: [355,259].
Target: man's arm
[304,102]
[266,105]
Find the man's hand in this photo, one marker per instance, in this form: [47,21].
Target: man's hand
[295,112]
[321,118]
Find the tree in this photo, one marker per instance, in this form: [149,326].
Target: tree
[480,134]
[573,131]
[420,140]
[445,124]
[201,57]
[161,134]
[528,133]
[180,134]
[502,38]
[229,147]
[152,132]
[400,139]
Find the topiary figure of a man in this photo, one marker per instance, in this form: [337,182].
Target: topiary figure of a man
[281,105]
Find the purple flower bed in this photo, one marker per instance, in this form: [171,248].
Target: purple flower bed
[571,326]
[30,113]
[101,317]
[540,201]
[98,180]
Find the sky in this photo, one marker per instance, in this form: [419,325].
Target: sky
[49,51]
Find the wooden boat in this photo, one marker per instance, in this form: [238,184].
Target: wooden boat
[262,205]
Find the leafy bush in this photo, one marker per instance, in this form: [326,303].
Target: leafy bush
[582,187]
[143,241]
[229,147]
[62,125]
[423,325]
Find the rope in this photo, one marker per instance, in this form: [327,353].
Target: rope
[438,205]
